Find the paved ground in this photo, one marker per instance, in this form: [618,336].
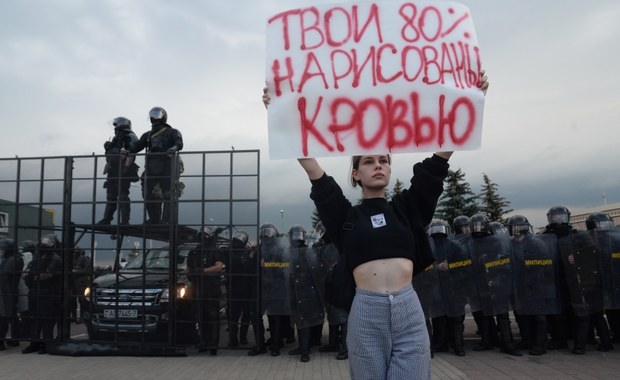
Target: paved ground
[235,364]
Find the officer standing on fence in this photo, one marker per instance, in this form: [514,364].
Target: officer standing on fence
[162,143]
[121,170]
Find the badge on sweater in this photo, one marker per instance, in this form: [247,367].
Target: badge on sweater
[378,220]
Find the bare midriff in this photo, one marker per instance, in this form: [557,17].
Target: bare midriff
[384,275]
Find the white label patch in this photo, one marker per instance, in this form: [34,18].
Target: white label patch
[378,220]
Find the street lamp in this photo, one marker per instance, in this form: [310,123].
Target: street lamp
[282,216]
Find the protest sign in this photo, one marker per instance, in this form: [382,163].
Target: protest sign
[373,77]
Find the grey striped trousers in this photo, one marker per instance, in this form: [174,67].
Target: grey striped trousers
[387,336]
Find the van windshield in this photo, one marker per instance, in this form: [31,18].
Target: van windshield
[157,259]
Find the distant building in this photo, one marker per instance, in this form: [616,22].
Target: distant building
[578,219]
[24,222]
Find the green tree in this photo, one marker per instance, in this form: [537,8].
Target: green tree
[494,205]
[457,198]
[398,187]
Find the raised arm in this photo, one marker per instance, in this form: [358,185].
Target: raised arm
[484,86]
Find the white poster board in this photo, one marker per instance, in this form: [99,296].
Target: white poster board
[373,77]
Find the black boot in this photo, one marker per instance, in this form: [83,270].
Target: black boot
[108,213]
[457,332]
[507,343]
[486,339]
[539,344]
[332,340]
[582,326]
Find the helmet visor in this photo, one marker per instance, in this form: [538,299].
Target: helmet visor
[604,225]
[156,113]
[437,229]
[268,232]
[558,218]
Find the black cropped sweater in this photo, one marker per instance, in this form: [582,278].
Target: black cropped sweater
[376,228]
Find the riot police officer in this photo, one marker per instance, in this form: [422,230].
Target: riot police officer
[204,266]
[267,253]
[580,284]
[460,225]
[492,263]
[121,170]
[44,281]
[162,143]
[336,317]
[11,264]
[535,285]
[453,266]
[307,311]
[607,240]
[241,290]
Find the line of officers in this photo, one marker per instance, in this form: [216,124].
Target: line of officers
[562,284]
[292,292]
[31,286]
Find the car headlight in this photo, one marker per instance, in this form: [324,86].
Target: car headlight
[87,293]
[181,293]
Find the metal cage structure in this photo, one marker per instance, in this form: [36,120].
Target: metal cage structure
[135,294]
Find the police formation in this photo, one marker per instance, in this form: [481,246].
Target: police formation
[562,285]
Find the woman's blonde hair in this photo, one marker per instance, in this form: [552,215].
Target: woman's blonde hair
[355,164]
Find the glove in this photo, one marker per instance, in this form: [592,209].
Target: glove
[172,150]
[106,145]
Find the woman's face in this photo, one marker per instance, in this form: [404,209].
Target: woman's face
[373,172]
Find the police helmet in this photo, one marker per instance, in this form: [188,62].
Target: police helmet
[49,241]
[29,246]
[122,123]
[479,225]
[438,227]
[240,239]
[498,228]
[297,234]
[599,221]
[558,215]
[518,225]
[459,223]
[158,115]
[268,230]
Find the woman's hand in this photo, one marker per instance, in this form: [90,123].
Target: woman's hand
[483,84]
[266,97]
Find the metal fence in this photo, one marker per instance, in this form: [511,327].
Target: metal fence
[126,285]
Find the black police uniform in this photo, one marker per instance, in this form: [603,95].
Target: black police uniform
[160,142]
[119,175]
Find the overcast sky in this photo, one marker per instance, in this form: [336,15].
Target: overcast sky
[550,135]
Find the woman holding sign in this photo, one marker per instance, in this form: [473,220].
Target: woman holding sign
[384,244]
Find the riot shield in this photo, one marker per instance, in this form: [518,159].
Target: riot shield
[493,273]
[583,277]
[322,260]
[426,285]
[306,305]
[457,282]
[464,275]
[608,246]
[275,260]
[534,269]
